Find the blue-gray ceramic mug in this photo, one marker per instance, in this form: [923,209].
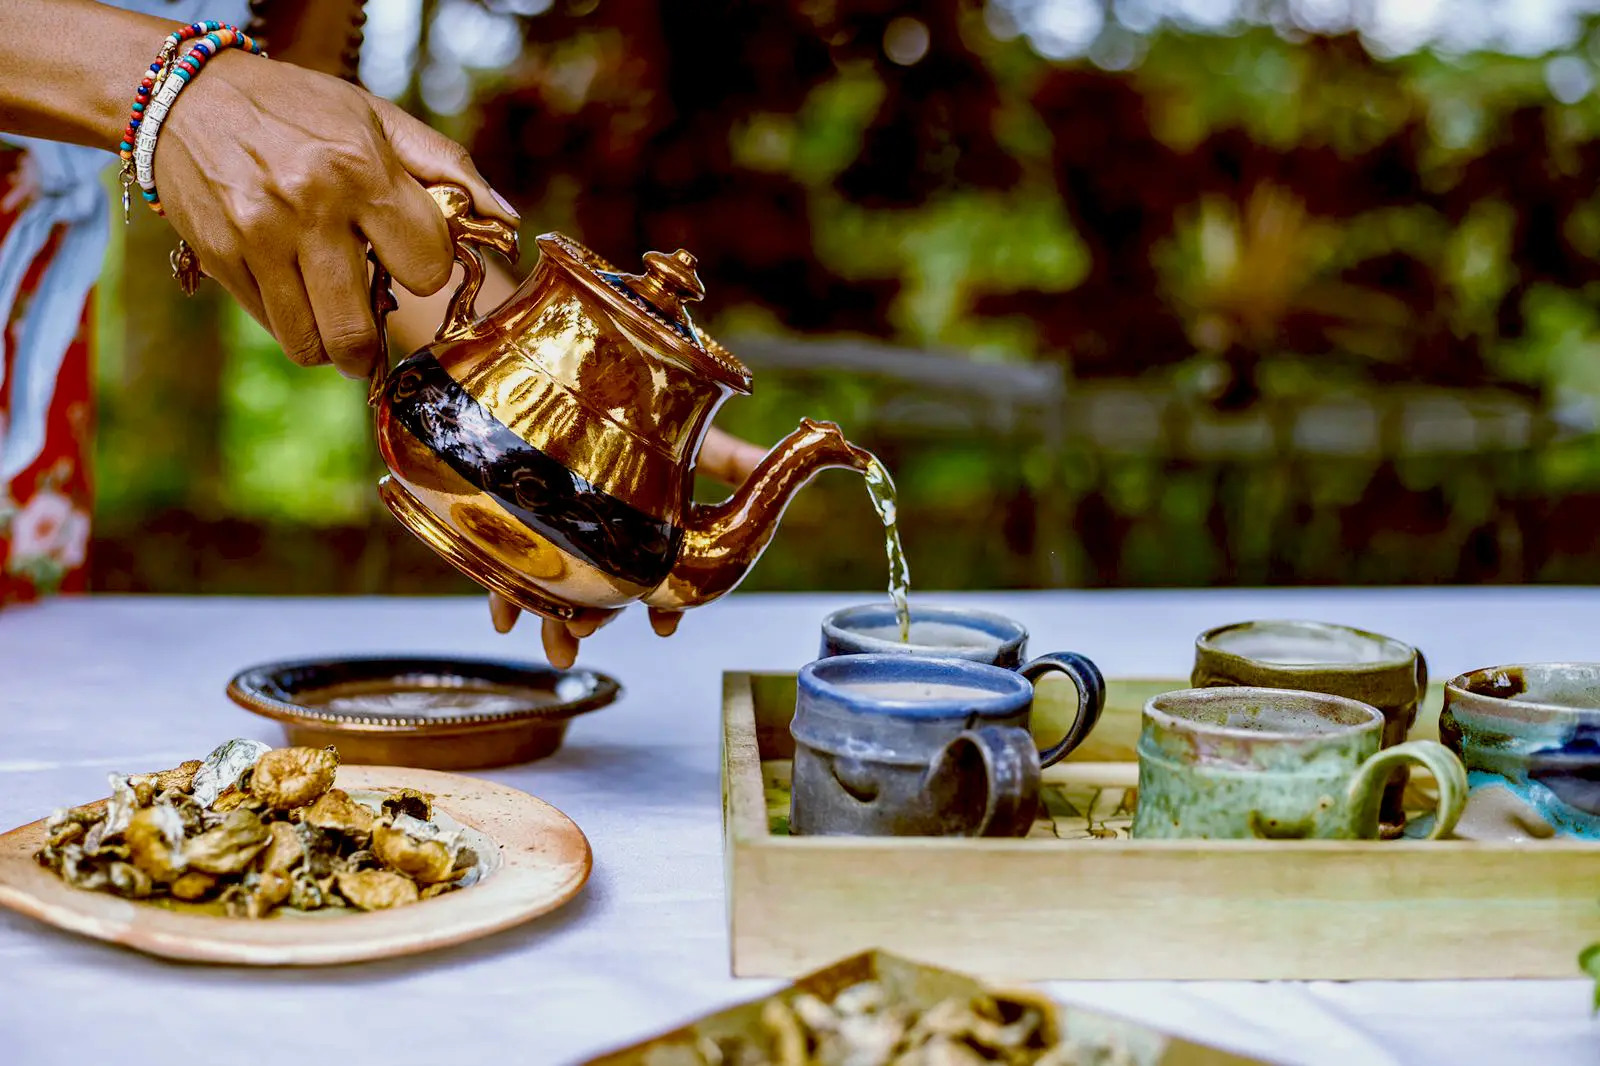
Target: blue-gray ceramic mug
[971,634]
[897,745]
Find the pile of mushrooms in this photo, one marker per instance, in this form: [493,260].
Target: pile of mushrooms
[251,829]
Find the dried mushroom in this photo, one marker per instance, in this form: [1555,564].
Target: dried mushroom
[155,838]
[180,778]
[128,881]
[257,829]
[193,886]
[376,890]
[336,811]
[233,797]
[284,851]
[944,1051]
[306,894]
[223,767]
[69,833]
[862,1026]
[788,1035]
[864,1038]
[362,860]
[257,894]
[194,818]
[79,816]
[118,813]
[410,802]
[82,869]
[230,847]
[287,778]
[144,789]
[406,847]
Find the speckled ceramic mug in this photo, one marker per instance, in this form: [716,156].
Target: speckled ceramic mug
[1275,764]
[1322,657]
[1533,730]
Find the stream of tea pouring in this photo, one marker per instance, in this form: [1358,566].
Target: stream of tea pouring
[880,486]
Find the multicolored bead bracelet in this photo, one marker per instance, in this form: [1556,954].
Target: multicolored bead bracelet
[156,92]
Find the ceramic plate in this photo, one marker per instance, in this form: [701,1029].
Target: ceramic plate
[435,713]
[538,859]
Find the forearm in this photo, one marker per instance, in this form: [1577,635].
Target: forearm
[78,93]
[83,97]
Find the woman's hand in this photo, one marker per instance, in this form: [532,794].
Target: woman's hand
[726,458]
[279,177]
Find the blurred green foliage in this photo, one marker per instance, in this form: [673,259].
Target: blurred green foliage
[294,446]
[267,404]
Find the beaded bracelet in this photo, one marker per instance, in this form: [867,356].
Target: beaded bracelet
[156,92]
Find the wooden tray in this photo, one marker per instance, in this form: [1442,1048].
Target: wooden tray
[1079,900]
[923,986]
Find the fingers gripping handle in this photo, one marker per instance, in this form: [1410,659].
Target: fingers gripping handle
[468,233]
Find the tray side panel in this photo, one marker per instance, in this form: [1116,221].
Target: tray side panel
[744,811]
[1096,913]
[744,808]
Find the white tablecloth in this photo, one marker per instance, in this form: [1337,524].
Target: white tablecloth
[91,686]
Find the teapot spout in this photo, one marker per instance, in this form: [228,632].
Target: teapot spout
[721,542]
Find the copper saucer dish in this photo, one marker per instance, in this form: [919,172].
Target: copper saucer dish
[426,712]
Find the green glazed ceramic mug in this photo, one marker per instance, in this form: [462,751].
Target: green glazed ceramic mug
[1321,657]
[1275,764]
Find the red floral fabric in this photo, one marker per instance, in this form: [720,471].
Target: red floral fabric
[45,510]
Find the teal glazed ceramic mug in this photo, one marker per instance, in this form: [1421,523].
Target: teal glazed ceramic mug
[1532,730]
[1275,764]
[1370,668]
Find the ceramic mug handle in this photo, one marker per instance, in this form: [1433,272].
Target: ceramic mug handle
[468,232]
[1091,688]
[1422,691]
[1010,773]
[1451,777]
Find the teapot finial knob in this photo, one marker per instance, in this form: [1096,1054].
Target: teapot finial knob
[670,281]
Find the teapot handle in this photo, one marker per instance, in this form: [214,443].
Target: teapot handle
[468,232]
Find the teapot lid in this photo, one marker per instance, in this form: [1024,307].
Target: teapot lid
[657,298]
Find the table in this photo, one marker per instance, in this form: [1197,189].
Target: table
[116,684]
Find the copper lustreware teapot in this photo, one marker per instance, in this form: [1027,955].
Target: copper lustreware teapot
[547,447]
